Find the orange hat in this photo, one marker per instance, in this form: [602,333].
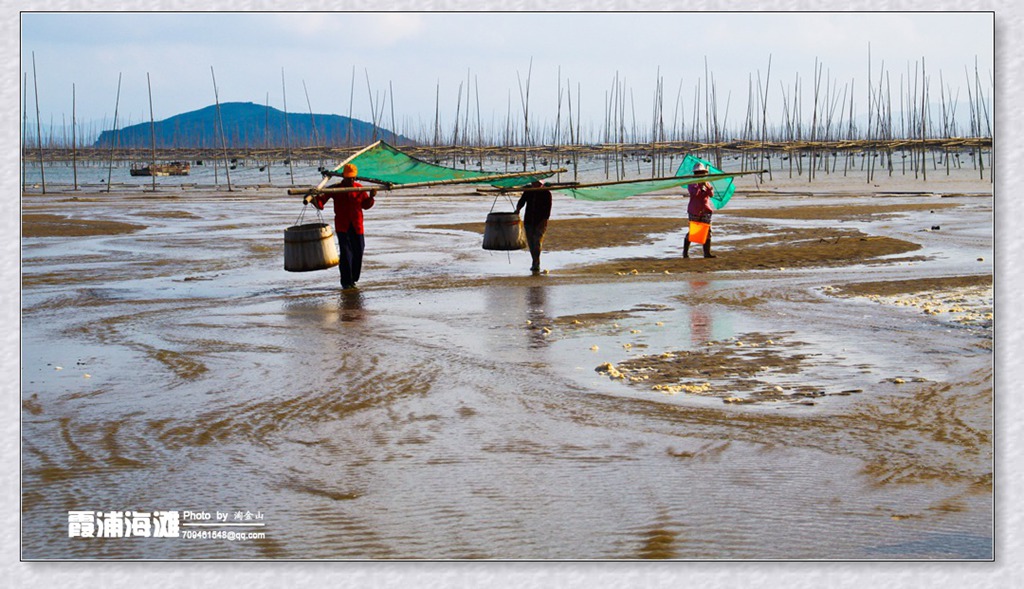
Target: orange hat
[349,171]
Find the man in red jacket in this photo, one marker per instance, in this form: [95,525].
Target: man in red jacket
[348,223]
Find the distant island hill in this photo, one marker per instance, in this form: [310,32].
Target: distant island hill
[246,124]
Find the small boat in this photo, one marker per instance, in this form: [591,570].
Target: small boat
[169,169]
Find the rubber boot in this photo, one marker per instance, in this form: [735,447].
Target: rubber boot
[707,247]
[686,246]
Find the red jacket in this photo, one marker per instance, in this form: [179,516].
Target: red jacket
[700,199]
[348,208]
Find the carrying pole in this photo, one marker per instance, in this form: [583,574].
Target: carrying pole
[681,180]
[392,186]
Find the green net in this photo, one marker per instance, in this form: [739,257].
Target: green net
[621,191]
[384,164]
[724,187]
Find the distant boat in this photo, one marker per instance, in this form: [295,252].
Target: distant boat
[169,169]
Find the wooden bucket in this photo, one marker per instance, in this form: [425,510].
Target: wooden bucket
[309,247]
[504,231]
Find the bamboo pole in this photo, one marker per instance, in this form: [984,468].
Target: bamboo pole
[312,121]
[24,131]
[39,128]
[351,102]
[764,116]
[266,137]
[391,186]
[394,131]
[152,132]
[373,106]
[74,140]
[437,115]
[676,180]
[287,132]
[525,100]
[117,102]
[223,139]
[924,121]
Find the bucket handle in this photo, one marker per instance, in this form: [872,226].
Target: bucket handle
[497,196]
[302,213]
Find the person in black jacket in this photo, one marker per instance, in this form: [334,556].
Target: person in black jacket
[537,201]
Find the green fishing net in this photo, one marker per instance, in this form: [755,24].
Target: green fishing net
[384,164]
[723,186]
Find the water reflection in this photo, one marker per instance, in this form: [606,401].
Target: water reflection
[701,323]
[537,320]
[350,302]
[318,310]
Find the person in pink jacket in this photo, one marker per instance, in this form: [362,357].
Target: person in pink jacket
[699,209]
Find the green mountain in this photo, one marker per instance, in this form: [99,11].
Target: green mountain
[247,124]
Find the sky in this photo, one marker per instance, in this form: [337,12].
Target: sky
[421,63]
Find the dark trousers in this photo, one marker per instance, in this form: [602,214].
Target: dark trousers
[535,239]
[350,252]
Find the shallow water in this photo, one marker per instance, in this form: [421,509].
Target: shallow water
[422,418]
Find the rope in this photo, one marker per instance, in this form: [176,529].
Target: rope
[499,195]
[302,214]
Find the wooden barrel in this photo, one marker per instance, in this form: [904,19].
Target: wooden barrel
[309,247]
[504,231]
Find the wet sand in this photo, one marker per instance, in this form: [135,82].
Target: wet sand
[830,369]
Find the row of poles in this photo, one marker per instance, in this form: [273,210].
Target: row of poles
[621,138]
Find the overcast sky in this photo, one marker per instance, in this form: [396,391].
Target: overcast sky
[408,56]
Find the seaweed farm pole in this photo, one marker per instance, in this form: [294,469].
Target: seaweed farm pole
[572,134]
[619,131]
[655,115]
[312,123]
[575,152]
[437,115]
[351,101]
[945,122]
[849,132]
[558,117]
[676,135]
[764,117]
[814,118]
[266,136]
[981,105]
[465,124]
[988,122]
[508,127]
[39,128]
[391,92]
[924,122]
[74,142]
[606,124]
[508,124]
[839,127]
[525,100]
[870,112]
[455,131]
[117,103]
[287,131]
[24,128]
[373,106]
[152,132]
[220,125]
[479,127]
